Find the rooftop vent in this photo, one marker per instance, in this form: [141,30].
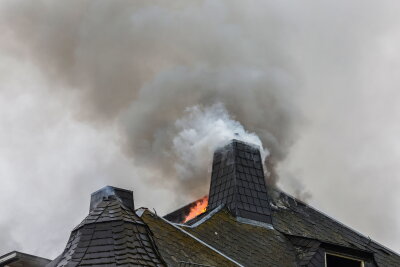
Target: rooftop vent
[238,181]
[126,196]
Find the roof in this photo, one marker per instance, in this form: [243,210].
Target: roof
[246,224]
[179,248]
[298,234]
[295,218]
[16,258]
[111,235]
[248,244]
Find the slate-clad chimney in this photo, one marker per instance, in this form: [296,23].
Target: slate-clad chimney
[111,235]
[238,181]
[126,196]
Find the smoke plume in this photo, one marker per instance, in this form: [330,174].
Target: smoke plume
[201,132]
[147,64]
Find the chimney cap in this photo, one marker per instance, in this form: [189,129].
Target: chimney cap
[124,195]
[244,144]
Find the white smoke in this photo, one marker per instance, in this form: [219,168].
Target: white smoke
[200,132]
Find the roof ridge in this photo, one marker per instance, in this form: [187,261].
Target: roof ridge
[102,211]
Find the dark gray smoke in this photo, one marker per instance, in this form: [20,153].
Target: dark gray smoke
[149,65]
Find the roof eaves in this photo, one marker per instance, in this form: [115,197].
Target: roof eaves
[9,256]
[15,255]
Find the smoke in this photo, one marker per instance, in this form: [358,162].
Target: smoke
[168,80]
[144,64]
[7,239]
[201,131]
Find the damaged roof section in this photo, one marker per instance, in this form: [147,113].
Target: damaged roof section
[245,224]
[180,214]
[295,233]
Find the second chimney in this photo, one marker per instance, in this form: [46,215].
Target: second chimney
[238,182]
[126,196]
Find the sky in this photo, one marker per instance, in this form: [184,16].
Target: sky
[139,94]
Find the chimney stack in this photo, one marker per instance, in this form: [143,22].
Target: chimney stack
[238,182]
[126,196]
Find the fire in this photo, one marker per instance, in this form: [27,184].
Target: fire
[199,207]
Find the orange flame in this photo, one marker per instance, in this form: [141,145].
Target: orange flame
[199,208]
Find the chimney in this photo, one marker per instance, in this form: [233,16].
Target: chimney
[238,182]
[125,196]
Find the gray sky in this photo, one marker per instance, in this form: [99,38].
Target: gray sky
[138,94]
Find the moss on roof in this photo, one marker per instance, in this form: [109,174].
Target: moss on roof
[248,244]
[177,247]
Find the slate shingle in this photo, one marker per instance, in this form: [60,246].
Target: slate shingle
[121,239]
[248,244]
[294,218]
[295,233]
[177,247]
[237,180]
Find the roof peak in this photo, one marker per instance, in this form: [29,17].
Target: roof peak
[123,195]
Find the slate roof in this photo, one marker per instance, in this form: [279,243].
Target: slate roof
[246,224]
[180,214]
[305,249]
[295,218]
[299,235]
[111,235]
[178,248]
[16,259]
[248,244]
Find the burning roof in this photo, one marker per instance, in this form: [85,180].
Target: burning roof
[243,222]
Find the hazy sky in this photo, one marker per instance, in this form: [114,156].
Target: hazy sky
[137,94]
